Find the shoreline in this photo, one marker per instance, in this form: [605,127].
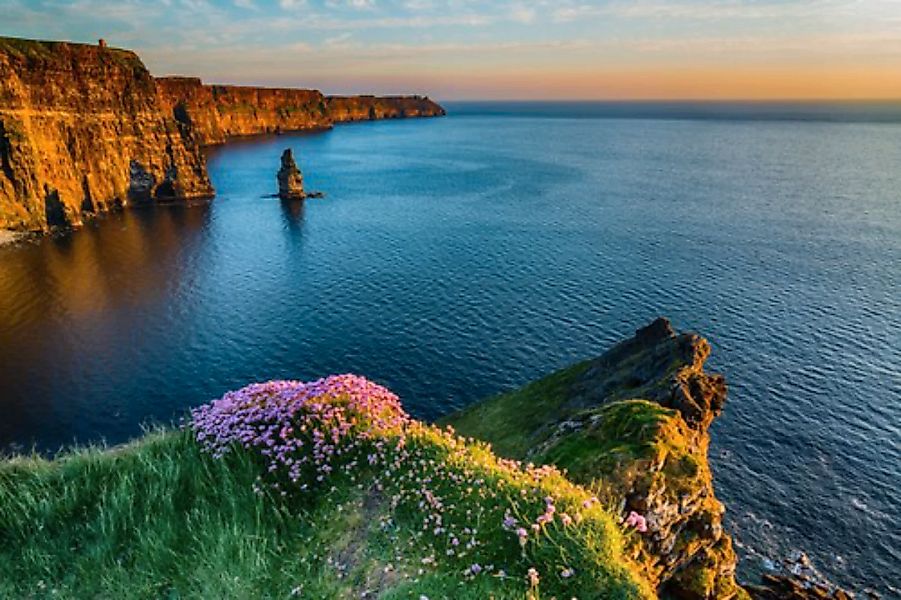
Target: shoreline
[8,237]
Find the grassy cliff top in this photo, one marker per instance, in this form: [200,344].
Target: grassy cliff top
[52,51]
[280,491]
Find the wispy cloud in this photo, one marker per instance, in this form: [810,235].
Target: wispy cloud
[410,43]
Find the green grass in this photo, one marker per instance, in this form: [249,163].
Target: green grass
[159,518]
[513,422]
[48,51]
[154,519]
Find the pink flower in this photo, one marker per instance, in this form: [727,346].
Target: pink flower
[523,535]
[637,521]
[532,576]
[567,573]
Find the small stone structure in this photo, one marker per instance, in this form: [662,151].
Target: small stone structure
[290,180]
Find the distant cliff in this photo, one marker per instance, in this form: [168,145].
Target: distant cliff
[85,128]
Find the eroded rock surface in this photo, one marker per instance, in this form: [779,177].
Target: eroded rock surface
[74,119]
[86,128]
[633,424]
[290,181]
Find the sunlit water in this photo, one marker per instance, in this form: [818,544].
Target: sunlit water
[458,257]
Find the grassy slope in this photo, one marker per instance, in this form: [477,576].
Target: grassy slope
[159,518]
[511,421]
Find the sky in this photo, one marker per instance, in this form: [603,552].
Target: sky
[501,49]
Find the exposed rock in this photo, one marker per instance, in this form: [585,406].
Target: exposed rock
[219,112]
[798,579]
[371,108]
[86,128]
[290,181]
[633,424]
[74,119]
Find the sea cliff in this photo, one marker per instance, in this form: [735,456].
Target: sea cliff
[87,128]
[632,425]
[328,489]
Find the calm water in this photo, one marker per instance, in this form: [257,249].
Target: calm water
[458,257]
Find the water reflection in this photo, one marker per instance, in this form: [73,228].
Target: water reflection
[293,213]
[75,300]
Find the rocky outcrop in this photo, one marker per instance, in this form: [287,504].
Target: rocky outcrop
[290,181]
[219,112]
[633,424]
[82,130]
[86,128]
[797,579]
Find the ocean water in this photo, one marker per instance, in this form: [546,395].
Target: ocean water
[459,257]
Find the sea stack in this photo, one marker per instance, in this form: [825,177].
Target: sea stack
[290,181]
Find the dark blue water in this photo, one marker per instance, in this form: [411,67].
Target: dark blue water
[458,257]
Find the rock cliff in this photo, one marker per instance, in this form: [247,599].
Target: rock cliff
[368,108]
[85,128]
[632,424]
[82,130]
[219,112]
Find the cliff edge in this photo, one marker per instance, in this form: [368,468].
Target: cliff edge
[632,425]
[84,129]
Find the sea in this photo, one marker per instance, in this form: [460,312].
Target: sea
[459,257]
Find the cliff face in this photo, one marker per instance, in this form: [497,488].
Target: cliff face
[368,108]
[633,425]
[218,112]
[84,129]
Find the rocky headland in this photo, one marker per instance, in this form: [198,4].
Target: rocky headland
[86,128]
[592,482]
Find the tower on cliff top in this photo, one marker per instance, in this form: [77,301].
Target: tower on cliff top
[101,42]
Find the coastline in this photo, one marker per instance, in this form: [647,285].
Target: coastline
[9,237]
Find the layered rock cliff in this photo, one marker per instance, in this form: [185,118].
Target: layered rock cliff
[84,129]
[369,108]
[633,425]
[219,112]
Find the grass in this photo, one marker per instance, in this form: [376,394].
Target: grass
[157,518]
[513,422]
[48,51]
[162,518]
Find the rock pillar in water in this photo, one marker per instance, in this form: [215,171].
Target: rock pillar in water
[290,181]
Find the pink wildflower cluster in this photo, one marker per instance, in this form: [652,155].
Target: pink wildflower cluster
[459,498]
[302,430]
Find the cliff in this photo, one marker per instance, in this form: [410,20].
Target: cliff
[219,112]
[632,425]
[328,489]
[84,129]
[368,108]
